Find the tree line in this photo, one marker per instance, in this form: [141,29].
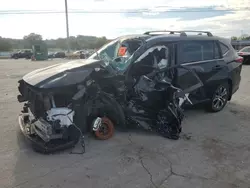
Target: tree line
[75,42]
[242,37]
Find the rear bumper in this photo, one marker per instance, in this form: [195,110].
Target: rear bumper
[236,87]
[235,90]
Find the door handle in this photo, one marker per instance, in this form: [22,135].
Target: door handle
[217,67]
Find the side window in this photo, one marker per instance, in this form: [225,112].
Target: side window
[196,51]
[216,51]
[207,50]
[156,56]
[224,48]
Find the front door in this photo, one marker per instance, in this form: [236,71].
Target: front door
[141,72]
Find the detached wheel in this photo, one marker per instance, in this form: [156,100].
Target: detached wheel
[106,130]
[219,98]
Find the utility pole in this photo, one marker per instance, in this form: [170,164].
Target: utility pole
[67,24]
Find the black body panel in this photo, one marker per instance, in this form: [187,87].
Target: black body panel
[60,75]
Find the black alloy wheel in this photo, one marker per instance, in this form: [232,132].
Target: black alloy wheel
[220,98]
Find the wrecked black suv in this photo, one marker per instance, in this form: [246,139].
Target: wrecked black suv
[134,81]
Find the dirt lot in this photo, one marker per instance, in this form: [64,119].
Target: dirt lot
[213,151]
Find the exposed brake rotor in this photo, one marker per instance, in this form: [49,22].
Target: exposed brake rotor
[103,128]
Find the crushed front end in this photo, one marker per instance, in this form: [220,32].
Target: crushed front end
[47,122]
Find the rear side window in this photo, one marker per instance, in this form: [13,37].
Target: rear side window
[224,49]
[217,54]
[193,51]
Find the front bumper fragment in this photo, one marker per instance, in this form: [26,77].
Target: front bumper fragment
[39,144]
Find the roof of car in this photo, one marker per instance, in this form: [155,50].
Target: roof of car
[152,39]
[171,37]
[126,37]
[168,37]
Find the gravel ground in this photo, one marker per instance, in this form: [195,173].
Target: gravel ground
[212,152]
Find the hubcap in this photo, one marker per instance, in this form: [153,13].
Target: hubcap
[220,97]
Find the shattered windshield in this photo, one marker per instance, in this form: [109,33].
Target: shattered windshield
[117,52]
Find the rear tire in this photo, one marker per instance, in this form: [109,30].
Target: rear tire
[219,98]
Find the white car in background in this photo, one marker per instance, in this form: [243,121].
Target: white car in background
[245,53]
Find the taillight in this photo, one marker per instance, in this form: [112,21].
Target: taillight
[239,59]
[240,53]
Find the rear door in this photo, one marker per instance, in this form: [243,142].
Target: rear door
[205,59]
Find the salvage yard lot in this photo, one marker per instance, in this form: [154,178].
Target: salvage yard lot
[213,150]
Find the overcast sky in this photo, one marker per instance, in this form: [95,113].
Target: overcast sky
[112,18]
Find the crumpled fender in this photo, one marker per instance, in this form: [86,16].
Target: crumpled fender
[89,106]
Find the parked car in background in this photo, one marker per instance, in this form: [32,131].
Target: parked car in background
[78,52]
[22,54]
[88,54]
[51,55]
[245,53]
[59,55]
[82,55]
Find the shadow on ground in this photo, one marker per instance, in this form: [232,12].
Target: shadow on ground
[141,159]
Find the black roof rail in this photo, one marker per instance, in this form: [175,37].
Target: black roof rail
[166,31]
[182,33]
[199,32]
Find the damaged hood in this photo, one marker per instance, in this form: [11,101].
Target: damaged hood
[62,74]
